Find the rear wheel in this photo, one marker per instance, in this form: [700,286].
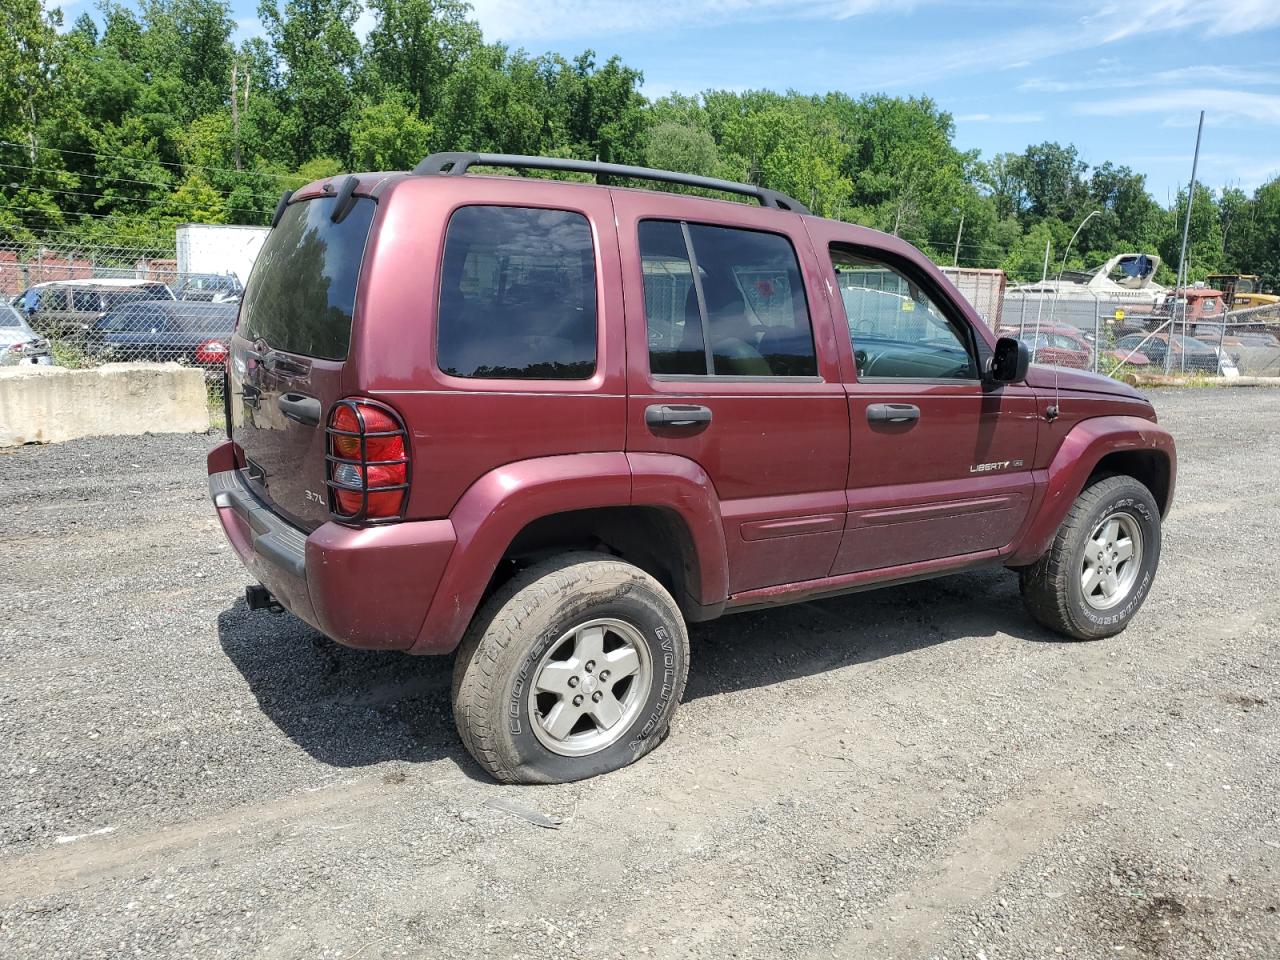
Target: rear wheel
[572,669]
[1099,568]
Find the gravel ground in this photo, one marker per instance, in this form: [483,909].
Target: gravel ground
[918,772]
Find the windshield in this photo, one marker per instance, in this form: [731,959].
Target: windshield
[9,317]
[302,292]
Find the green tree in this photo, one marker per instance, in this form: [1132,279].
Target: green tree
[1051,176]
[676,146]
[415,46]
[388,136]
[319,57]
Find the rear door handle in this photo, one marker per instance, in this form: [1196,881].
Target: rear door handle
[892,412]
[301,408]
[680,415]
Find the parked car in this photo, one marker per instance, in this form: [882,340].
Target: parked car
[67,309]
[1064,346]
[185,331]
[210,287]
[1212,334]
[541,425]
[18,342]
[1199,357]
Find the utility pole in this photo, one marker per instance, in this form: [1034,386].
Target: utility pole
[235,111]
[955,258]
[1182,257]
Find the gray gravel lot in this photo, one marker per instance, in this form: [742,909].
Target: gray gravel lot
[918,772]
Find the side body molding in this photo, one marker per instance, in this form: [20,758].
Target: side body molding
[1080,452]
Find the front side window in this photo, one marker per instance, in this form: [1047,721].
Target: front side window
[742,312]
[518,295]
[898,332]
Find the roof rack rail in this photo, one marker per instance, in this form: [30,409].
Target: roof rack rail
[457,164]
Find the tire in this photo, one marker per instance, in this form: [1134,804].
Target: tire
[533,648]
[1054,587]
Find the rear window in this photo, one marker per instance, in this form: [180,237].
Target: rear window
[133,318]
[518,295]
[302,292]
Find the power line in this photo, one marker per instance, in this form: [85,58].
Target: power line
[100,176]
[189,204]
[163,163]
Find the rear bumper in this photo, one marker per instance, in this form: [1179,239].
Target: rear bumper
[367,588]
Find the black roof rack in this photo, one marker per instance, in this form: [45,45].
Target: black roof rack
[456,164]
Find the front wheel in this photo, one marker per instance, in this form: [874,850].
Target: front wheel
[572,669]
[1100,566]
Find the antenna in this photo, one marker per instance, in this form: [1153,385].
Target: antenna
[1051,414]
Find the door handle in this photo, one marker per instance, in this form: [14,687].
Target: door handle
[892,412]
[303,409]
[683,415]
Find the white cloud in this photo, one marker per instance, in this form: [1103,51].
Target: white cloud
[1115,77]
[1221,106]
[1129,18]
[1220,169]
[364,23]
[521,21]
[1033,116]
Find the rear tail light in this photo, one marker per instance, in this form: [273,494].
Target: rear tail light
[368,463]
[211,352]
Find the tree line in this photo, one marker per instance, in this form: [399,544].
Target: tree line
[113,130]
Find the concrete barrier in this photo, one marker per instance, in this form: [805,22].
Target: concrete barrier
[42,404]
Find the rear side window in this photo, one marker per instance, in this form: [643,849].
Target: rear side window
[518,295]
[302,292]
[720,301]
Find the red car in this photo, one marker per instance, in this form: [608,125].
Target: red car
[541,425]
[1062,346]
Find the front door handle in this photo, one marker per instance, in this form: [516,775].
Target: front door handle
[300,408]
[892,412]
[679,415]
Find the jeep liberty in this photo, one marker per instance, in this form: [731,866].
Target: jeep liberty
[542,425]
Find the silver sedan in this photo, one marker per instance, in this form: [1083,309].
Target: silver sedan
[18,342]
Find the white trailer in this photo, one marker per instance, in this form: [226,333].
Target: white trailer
[984,289]
[221,249]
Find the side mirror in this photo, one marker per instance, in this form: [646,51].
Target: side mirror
[1010,361]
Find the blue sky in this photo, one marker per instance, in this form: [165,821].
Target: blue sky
[1124,81]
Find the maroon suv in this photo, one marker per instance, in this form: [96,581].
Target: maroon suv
[545,424]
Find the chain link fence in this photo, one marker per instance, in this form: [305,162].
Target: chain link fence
[1192,335]
[81,305]
[78,306]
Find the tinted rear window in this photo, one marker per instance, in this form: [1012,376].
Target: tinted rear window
[518,295]
[302,291]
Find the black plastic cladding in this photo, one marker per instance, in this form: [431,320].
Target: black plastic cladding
[361,517]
